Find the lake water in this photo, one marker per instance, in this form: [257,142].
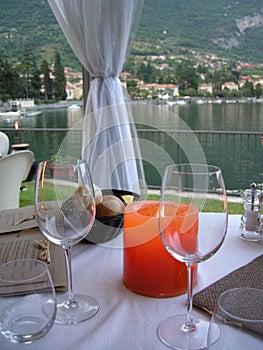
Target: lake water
[207,116]
[210,116]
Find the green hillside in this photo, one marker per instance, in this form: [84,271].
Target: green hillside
[231,28]
[30,24]
[205,25]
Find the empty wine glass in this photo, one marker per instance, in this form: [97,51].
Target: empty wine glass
[65,212]
[192,224]
[27,300]
[237,321]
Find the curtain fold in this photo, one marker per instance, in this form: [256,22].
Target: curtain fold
[101,33]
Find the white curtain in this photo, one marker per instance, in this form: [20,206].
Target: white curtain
[101,33]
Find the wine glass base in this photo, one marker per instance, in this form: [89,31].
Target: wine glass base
[171,333]
[83,308]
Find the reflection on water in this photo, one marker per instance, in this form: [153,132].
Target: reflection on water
[240,156]
[206,116]
[225,116]
[45,143]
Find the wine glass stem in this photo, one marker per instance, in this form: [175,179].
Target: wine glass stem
[67,253]
[189,325]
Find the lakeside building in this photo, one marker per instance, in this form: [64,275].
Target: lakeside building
[74,91]
[19,104]
[230,85]
[163,91]
[205,88]
[74,86]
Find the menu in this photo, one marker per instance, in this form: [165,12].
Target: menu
[17,219]
[20,238]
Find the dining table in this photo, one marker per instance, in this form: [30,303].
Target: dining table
[125,320]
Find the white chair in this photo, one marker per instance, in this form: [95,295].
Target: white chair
[14,168]
[4,144]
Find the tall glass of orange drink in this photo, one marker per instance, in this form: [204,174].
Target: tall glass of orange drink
[148,268]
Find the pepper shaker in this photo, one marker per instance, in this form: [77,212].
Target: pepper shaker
[251,226]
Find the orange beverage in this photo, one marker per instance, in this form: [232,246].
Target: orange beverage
[179,227]
[148,268]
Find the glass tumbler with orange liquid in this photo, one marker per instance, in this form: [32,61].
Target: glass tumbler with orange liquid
[148,268]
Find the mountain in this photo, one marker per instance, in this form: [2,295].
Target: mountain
[230,28]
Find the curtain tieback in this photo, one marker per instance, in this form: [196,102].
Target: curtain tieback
[112,76]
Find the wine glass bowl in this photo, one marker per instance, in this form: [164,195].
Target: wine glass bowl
[192,225]
[65,212]
[237,320]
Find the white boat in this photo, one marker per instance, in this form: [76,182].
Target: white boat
[74,107]
[32,114]
[171,103]
[176,102]
[181,102]
[10,115]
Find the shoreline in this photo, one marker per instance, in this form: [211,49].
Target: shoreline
[48,106]
[184,100]
[56,105]
[201,100]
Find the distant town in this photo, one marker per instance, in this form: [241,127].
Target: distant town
[178,77]
[163,78]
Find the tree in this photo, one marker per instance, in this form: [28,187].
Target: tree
[131,66]
[24,69]
[169,79]
[59,79]
[47,81]
[35,82]
[146,73]
[30,75]
[9,79]
[258,91]
[249,88]
[187,76]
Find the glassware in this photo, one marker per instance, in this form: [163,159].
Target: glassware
[27,300]
[237,321]
[192,224]
[144,256]
[251,226]
[65,211]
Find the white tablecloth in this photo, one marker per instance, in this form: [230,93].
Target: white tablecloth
[127,321]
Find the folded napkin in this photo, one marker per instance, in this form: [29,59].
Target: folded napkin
[250,276]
